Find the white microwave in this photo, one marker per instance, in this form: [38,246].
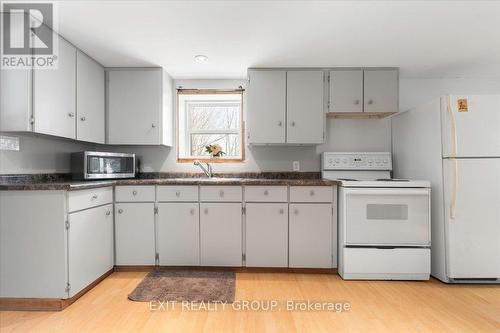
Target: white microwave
[102,165]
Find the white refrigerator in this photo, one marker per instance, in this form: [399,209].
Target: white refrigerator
[454,141]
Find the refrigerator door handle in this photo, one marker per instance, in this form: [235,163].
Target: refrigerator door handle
[454,152]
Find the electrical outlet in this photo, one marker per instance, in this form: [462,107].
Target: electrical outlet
[9,143]
[296,165]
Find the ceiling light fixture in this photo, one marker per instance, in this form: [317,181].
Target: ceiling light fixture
[200,58]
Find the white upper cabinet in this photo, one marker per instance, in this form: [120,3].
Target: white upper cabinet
[381,90]
[54,94]
[304,101]
[90,103]
[346,91]
[285,107]
[266,107]
[136,114]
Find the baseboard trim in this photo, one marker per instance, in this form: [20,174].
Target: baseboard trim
[230,269]
[46,304]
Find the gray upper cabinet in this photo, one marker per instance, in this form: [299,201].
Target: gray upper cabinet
[135,108]
[90,113]
[285,107]
[346,91]
[54,94]
[266,114]
[304,102]
[381,90]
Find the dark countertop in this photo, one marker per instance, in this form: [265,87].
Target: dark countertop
[55,183]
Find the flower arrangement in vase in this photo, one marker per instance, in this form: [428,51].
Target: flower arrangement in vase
[214,150]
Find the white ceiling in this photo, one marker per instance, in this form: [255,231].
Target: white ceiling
[423,38]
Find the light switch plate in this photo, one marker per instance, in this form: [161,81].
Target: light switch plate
[296,165]
[9,143]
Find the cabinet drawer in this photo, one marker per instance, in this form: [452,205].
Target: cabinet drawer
[311,194]
[265,194]
[83,199]
[135,193]
[221,193]
[177,193]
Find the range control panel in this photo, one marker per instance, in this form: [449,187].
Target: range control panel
[356,161]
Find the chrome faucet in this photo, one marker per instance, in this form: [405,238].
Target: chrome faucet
[207,170]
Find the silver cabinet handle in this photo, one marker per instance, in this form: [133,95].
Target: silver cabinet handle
[293,124]
[296,212]
[153,125]
[120,211]
[177,193]
[191,211]
[280,123]
[108,213]
[356,102]
[221,193]
[71,114]
[311,193]
[266,192]
[94,197]
[82,118]
[370,101]
[134,192]
[282,211]
[205,211]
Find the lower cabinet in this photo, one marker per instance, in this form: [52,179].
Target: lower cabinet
[178,231]
[134,233]
[266,234]
[310,235]
[220,234]
[90,245]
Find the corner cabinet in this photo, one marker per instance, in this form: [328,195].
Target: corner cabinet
[64,239]
[90,105]
[66,101]
[54,95]
[285,107]
[139,106]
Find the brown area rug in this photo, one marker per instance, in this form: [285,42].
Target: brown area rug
[190,286]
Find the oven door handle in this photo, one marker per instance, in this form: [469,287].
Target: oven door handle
[405,192]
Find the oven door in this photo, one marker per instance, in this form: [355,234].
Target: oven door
[387,216]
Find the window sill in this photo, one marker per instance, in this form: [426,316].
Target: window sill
[210,160]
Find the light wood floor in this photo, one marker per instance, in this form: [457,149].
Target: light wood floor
[376,307]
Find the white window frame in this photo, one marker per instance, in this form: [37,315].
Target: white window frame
[186,132]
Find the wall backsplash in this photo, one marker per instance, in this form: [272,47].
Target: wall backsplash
[44,154]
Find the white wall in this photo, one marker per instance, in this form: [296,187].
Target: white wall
[40,154]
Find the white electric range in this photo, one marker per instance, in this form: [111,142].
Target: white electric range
[384,223]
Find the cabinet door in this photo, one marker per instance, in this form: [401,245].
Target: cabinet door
[305,114]
[15,87]
[266,234]
[310,235]
[381,90]
[346,91]
[54,94]
[220,234]
[90,244]
[134,234]
[134,106]
[89,99]
[179,234]
[266,107]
